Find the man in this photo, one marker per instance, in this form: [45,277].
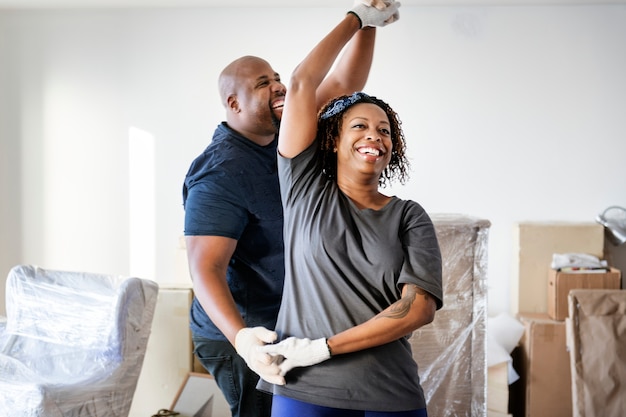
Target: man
[234,223]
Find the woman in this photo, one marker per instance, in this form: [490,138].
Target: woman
[363,270]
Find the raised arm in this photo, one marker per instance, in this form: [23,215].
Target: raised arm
[309,87]
[299,121]
[352,70]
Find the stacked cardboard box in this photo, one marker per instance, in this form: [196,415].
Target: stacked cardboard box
[560,284]
[544,368]
[498,390]
[534,245]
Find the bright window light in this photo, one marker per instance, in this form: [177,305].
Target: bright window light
[141,160]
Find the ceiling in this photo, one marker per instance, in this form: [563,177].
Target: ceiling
[34,4]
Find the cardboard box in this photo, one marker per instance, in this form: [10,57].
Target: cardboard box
[199,396]
[534,244]
[498,388]
[169,354]
[560,284]
[596,340]
[545,369]
[616,257]
[491,413]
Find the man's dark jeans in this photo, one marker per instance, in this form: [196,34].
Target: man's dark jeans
[236,381]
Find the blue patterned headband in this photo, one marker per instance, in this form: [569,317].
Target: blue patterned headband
[342,104]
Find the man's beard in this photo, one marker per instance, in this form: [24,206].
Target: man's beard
[275,122]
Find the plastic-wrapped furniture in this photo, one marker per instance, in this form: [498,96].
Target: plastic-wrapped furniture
[74,342]
[451,351]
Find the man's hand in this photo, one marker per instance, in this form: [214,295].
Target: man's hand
[248,341]
[376,12]
[298,352]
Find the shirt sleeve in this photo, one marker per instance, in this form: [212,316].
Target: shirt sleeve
[423,264]
[294,172]
[214,208]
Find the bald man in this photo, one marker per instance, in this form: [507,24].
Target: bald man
[234,222]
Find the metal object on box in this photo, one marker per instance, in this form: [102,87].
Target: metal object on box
[614,221]
[451,351]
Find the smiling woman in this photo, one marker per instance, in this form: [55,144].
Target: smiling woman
[333,119]
[362,269]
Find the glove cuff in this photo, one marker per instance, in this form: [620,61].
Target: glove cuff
[321,350]
[358,18]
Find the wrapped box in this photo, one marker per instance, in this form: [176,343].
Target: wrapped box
[534,244]
[560,284]
[596,340]
[545,371]
[451,351]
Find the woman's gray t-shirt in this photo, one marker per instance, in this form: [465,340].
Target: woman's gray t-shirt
[343,266]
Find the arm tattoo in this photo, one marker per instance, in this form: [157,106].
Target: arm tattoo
[401,308]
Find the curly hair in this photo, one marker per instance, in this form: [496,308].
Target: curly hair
[329,124]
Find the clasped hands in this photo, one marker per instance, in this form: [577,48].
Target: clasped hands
[272,361]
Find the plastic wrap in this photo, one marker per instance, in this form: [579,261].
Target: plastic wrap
[3,334]
[451,351]
[73,344]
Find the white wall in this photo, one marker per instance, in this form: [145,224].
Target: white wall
[511,113]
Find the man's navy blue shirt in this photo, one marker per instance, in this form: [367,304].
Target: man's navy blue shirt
[232,190]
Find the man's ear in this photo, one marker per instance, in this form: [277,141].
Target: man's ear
[233,104]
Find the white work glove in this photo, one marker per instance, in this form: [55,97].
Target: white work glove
[248,341]
[298,352]
[379,4]
[376,12]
